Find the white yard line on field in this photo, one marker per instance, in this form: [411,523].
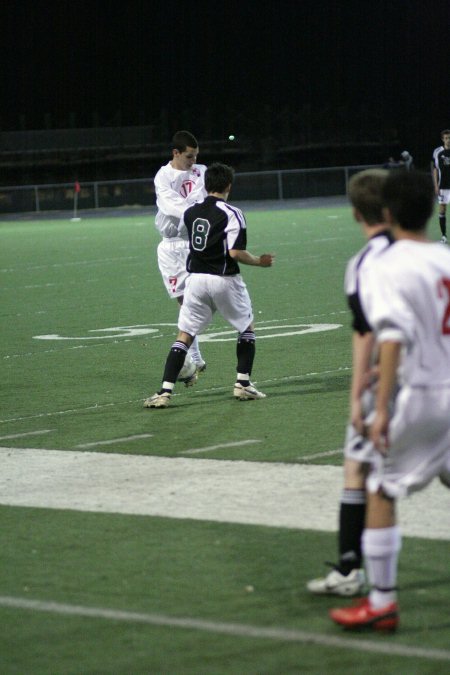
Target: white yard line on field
[317,455]
[198,390]
[209,448]
[26,433]
[95,406]
[76,263]
[297,496]
[235,629]
[111,441]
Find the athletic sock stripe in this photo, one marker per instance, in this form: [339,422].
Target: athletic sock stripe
[180,345]
[353,496]
[248,335]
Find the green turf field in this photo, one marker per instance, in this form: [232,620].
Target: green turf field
[86,326]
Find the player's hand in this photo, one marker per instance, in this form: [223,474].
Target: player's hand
[373,375]
[356,416]
[379,431]
[266,259]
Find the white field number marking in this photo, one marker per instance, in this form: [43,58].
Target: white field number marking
[281,330]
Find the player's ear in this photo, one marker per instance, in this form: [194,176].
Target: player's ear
[357,215]
[387,216]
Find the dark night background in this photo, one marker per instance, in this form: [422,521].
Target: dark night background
[299,83]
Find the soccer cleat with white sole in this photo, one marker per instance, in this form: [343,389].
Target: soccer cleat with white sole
[336,583]
[158,400]
[249,393]
[443,239]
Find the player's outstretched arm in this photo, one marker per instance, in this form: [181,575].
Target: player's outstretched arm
[246,258]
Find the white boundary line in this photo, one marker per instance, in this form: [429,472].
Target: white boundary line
[274,494]
[236,629]
[196,451]
[114,440]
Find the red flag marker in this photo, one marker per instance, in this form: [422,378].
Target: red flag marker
[76,192]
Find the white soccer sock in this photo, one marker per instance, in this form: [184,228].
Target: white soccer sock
[194,351]
[381,548]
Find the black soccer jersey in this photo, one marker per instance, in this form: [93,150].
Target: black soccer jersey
[214,227]
[441,160]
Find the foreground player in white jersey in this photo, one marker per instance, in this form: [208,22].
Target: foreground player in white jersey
[407,300]
[347,576]
[440,170]
[217,241]
[178,185]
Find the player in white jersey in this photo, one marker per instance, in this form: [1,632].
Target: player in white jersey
[440,170]
[178,185]
[347,576]
[407,301]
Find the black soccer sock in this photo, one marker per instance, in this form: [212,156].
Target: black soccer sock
[351,525]
[174,363]
[443,224]
[245,352]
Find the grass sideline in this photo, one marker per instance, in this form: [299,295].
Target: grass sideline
[75,280]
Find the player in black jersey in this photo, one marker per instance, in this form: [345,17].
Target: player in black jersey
[217,244]
[440,170]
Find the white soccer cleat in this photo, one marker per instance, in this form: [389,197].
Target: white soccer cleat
[336,583]
[249,393]
[201,367]
[443,239]
[158,400]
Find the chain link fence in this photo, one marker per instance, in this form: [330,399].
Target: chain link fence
[140,193]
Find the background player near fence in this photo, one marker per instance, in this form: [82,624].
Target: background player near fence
[347,576]
[178,185]
[407,300]
[440,170]
[217,241]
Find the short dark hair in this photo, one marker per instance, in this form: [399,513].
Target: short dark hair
[445,131]
[364,192]
[409,196]
[182,140]
[218,177]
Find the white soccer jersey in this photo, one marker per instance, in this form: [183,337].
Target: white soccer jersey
[175,192]
[359,262]
[406,297]
[354,276]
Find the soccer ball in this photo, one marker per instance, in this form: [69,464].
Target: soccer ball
[187,370]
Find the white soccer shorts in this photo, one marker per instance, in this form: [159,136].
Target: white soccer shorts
[419,438]
[207,293]
[172,256]
[444,197]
